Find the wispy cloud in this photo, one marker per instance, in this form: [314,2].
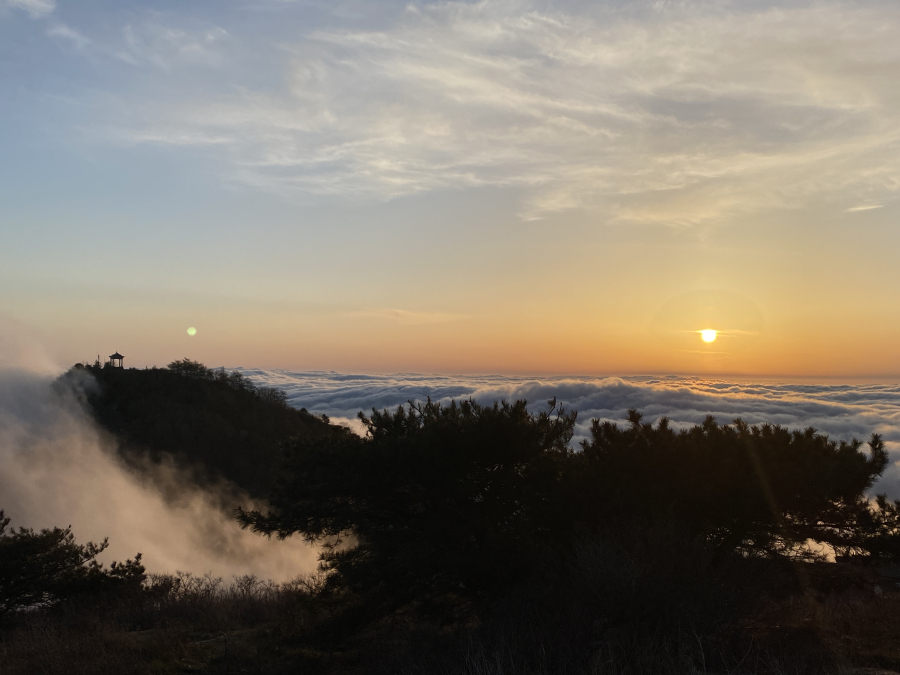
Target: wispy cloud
[684,115]
[61,30]
[868,207]
[148,42]
[164,46]
[36,8]
[408,317]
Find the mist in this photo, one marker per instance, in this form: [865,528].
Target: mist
[58,468]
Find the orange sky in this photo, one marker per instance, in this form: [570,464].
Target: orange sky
[487,187]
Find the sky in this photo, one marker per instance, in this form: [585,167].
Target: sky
[490,187]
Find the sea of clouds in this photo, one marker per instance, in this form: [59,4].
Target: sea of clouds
[843,411]
[58,468]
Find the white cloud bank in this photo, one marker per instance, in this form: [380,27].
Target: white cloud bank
[683,113]
[842,411]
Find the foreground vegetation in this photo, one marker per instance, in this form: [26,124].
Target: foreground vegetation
[658,605]
[473,539]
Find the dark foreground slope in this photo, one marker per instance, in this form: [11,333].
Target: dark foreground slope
[214,422]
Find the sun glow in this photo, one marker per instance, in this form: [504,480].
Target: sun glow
[708,335]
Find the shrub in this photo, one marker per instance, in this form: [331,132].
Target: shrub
[38,569]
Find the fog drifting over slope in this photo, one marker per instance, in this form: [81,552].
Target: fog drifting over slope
[57,468]
[842,411]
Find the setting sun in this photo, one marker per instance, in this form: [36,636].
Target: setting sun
[708,335]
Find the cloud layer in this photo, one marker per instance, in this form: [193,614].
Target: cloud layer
[678,113]
[842,411]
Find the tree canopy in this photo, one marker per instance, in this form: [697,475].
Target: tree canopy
[42,568]
[434,499]
[460,498]
[757,489]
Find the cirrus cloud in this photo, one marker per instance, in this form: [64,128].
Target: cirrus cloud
[36,8]
[682,114]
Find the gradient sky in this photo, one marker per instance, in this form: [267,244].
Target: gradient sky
[473,187]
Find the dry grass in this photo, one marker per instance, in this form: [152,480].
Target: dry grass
[607,617]
[180,624]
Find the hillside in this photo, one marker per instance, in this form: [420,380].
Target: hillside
[214,422]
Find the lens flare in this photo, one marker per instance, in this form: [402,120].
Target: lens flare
[193,331]
[708,335]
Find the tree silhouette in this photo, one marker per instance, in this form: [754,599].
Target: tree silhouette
[42,568]
[436,499]
[761,490]
[466,499]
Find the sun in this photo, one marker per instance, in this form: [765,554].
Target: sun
[708,335]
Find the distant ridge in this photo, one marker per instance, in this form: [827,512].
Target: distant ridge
[214,422]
